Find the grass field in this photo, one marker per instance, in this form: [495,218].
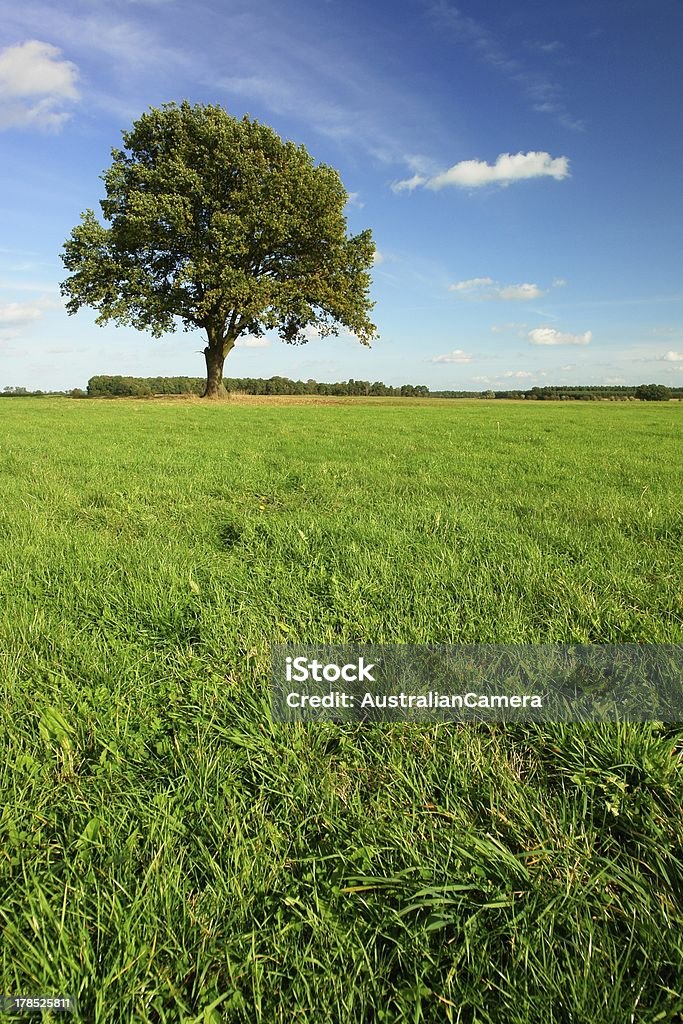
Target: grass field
[168,854]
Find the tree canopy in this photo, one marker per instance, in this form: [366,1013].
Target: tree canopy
[220,224]
[653,393]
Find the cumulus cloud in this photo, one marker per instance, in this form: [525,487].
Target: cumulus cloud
[377,258]
[487,288]
[456,356]
[507,168]
[673,357]
[519,374]
[33,69]
[34,83]
[551,336]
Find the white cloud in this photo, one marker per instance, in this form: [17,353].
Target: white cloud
[377,258]
[507,168]
[487,288]
[19,313]
[34,83]
[419,163]
[470,285]
[551,336]
[519,374]
[312,333]
[558,282]
[511,326]
[457,356]
[353,199]
[409,184]
[250,341]
[673,357]
[541,47]
[27,286]
[32,69]
[520,291]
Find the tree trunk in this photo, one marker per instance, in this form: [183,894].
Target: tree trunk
[215,353]
[214,372]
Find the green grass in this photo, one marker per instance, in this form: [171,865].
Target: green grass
[168,854]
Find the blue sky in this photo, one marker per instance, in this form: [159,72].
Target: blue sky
[519,166]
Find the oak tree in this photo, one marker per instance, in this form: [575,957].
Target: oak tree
[217,224]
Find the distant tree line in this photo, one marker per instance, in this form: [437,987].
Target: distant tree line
[581,393]
[140,387]
[104,386]
[16,392]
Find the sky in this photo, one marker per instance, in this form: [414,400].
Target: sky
[519,166]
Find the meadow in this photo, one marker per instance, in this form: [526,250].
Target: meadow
[169,854]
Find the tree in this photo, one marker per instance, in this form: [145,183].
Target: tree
[217,223]
[653,393]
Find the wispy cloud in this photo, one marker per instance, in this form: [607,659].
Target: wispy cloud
[456,356]
[537,85]
[476,173]
[551,336]
[35,83]
[510,326]
[538,46]
[672,357]
[355,200]
[28,286]
[101,31]
[470,285]
[520,292]
[336,90]
[17,317]
[485,288]
[483,41]
[667,331]
[16,314]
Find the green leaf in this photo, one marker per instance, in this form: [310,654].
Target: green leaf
[54,728]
